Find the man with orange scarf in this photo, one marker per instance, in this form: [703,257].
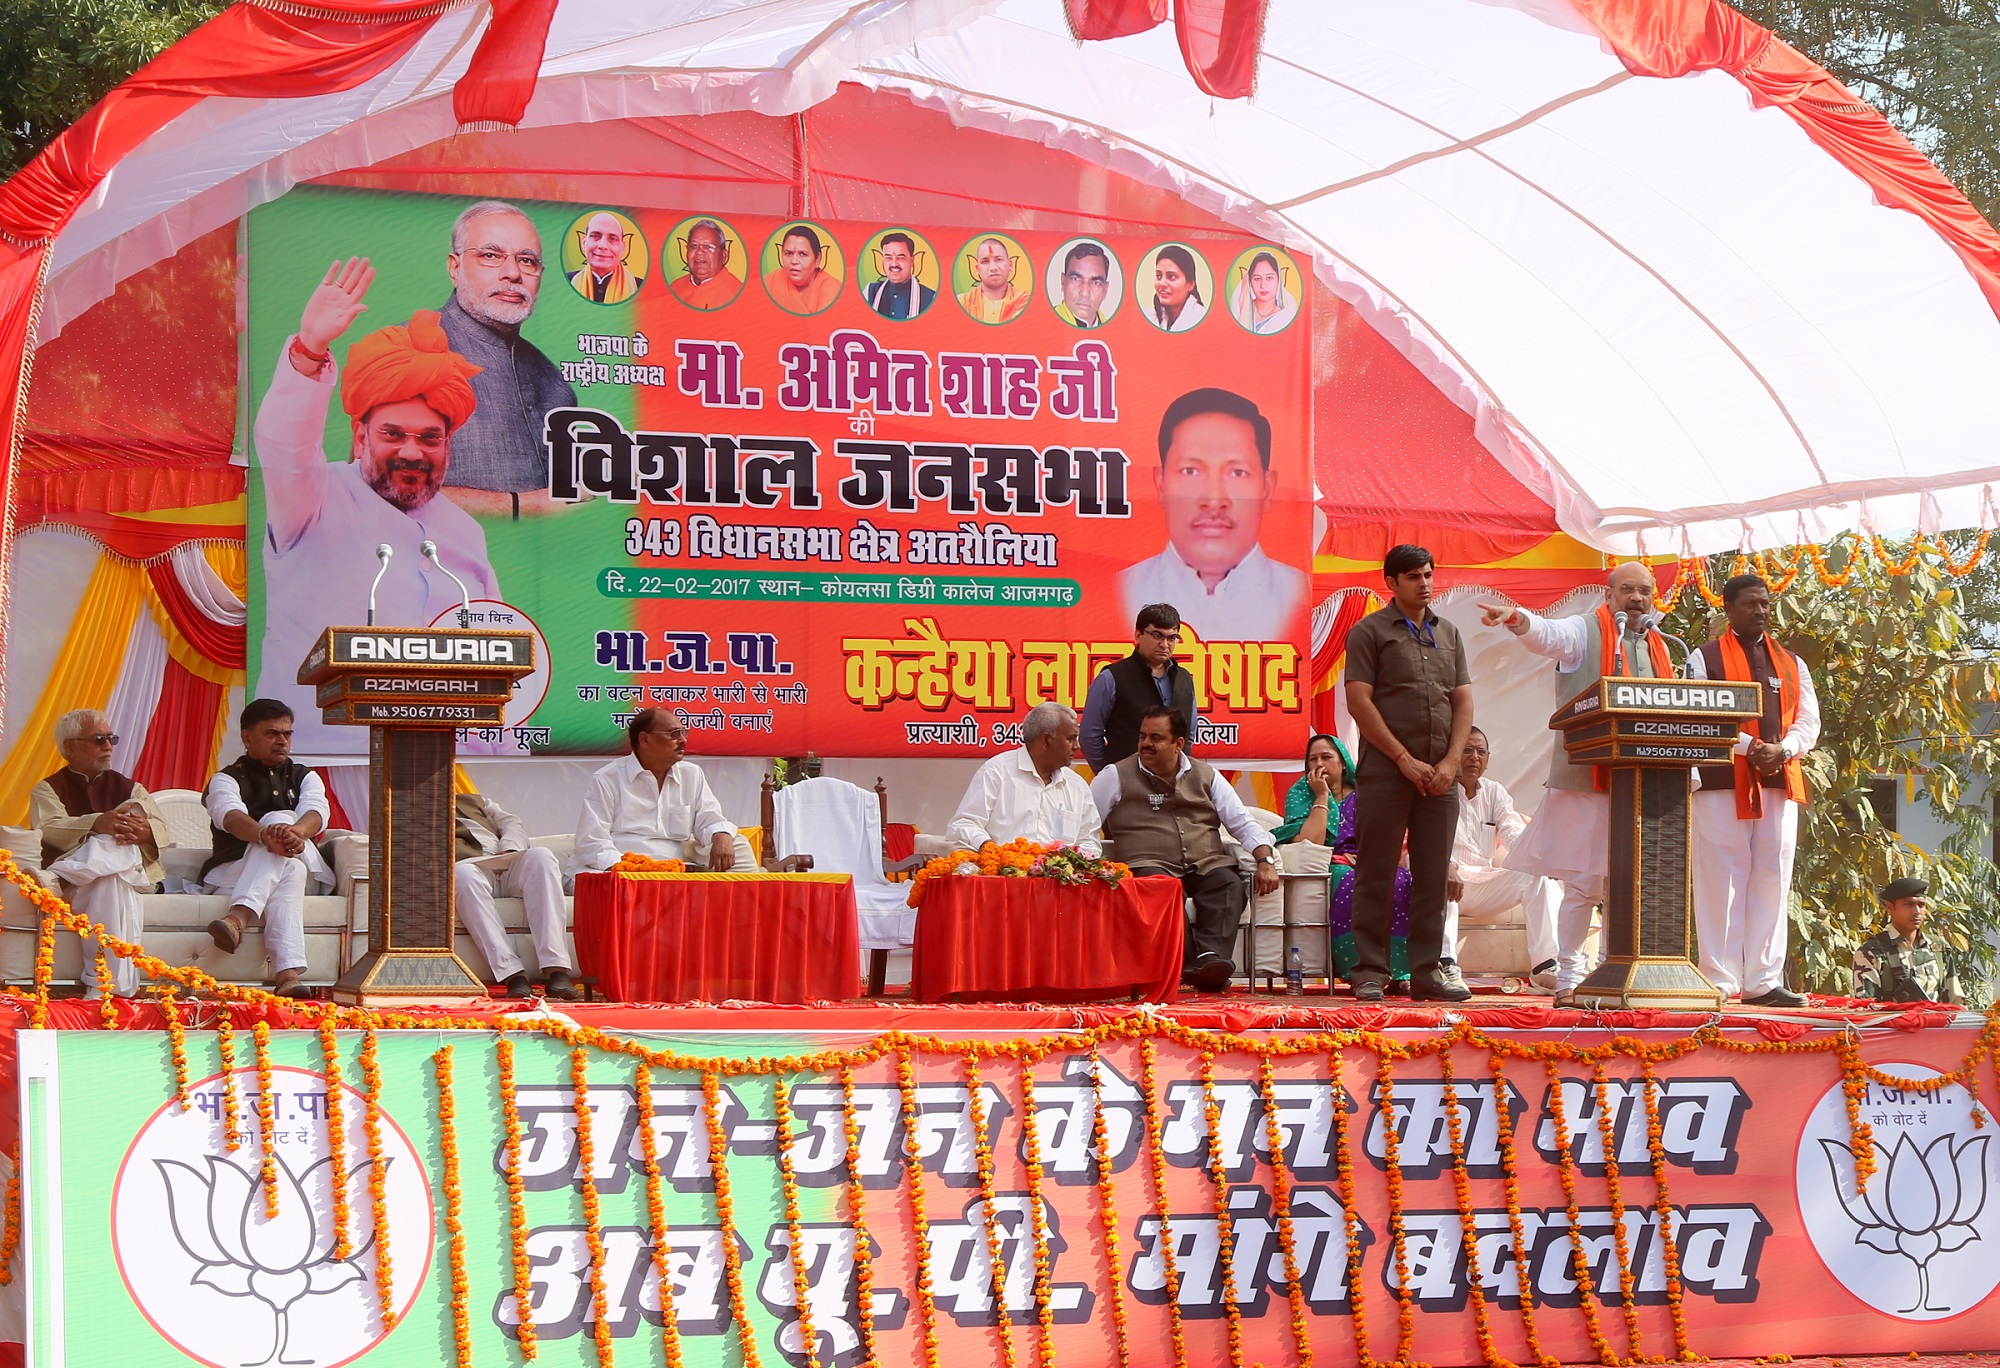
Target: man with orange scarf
[1570,838]
[405,393]
[1746,815]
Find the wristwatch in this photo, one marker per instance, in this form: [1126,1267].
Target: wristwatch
[1267,859]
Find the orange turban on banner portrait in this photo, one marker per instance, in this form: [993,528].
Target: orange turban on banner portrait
[414,362]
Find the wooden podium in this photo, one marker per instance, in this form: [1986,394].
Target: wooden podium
[1650,733]
[412,688]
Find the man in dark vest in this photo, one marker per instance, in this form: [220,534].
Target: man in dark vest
[1745,815]
[1165,814]
[101,837]
[492,856]
[1148,678]
[264,810]
[1409,690]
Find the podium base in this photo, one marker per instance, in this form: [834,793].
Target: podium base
[407,978]
[1627,983]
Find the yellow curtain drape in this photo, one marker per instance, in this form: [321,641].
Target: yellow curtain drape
[226,559]
[84,674]
[461,782]
[180,648]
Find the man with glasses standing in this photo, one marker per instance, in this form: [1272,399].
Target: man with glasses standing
[1122,692]
[407,395]
[101,837]
[499,465]
[1410,692]
[656,802]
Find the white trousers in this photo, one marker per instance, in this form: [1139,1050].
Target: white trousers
[1501,891]
[535,877]
[102,881]
[270,889]
[1742,881]
[1580,898]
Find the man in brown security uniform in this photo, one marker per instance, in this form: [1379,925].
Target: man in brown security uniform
[1410,692]
[101,836]
[1121,693]
[1166,814]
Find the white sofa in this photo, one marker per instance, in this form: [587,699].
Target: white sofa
[336,924]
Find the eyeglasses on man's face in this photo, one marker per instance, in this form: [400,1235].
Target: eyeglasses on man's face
[100,738]
[1167,638]
[430,439]
[492,259]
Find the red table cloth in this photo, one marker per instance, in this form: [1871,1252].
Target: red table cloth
[1038,940]
[717,937]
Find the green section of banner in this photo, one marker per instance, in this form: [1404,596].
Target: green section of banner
[619,582]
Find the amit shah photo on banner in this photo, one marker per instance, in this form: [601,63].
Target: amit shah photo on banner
[890,523]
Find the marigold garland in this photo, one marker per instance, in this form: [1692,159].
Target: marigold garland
[913,1155]
[1343,1162]
[1663,1208]
[1889,562]
[107,1000]
[593,1224]
[1566,1168]
[725,1215]
[982,1152]
[225,1052]
[461,1287]
[170,1008]
[45,950]
[517,1215]
[1225,1219]
[1854,1091]
[1468,1217]
[336,1137]
[267,1119]
[1607,1131]
[656,1209]
[645,864]
[1281,1204]
[1826,576]
[857,1203]
[1510,1176]
[1107,1206]
[794,1222]
[1971,563]
[1392,1160]
[378,1179]
[10,1237]
[1021,858]
[1038,1225]
[1156,1162]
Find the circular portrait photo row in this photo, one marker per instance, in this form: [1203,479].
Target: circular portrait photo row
[1182,286]
[1085,283]
[993,279]
[898,272]
[803,268]
[703,263]
[1263,288]
[605,256]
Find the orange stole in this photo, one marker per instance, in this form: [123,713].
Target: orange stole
[1607,667]
[1736,665]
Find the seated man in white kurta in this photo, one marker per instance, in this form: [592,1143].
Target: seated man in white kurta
[1032,793]
[655,802]
[406,392]
[101,836]
[1480,886]
[492,857]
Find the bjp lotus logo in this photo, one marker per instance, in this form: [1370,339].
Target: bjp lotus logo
[276,1261]
[1920,1203]
[1923,1217]
[232,1287]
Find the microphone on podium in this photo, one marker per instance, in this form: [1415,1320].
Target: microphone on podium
[430,550]
[382,553]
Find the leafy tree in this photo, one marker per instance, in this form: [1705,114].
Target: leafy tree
[61,56]
[1900,694]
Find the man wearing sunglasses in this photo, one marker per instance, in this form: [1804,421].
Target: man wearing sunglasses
[407,394]
[101,838]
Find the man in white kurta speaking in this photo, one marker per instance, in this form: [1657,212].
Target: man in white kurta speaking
[405,392]
[101,836]
[1571,836]
[658,803]
[1031,793]
[492,857]
[1746,815]
[1480,885]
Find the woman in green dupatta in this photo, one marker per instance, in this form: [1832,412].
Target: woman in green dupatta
[1319,809]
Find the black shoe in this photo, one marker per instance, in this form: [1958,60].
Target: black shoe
[1367,990]
[1397,987]
[1439,987]
[1778,997]
[1211,973]
[517,985]
[561,986]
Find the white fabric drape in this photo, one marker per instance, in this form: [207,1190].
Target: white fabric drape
[205,589]
[137,693]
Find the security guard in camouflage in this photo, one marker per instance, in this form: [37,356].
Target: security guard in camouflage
[1897,964]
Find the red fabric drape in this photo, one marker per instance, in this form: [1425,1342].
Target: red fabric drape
[899,841]
[336,815]
[1218,38]
[1035,940]
[180,741]
[500,79]
[221,644]
[1353,607]
[1674,37]
[1096,20]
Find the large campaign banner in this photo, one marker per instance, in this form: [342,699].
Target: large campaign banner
[1280,1207]
[844,487]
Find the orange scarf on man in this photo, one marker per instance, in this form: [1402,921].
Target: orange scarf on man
[1607,666]
[1736,665]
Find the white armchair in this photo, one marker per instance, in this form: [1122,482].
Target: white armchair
[839,825]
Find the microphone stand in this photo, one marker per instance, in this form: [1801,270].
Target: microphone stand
[430,551]
[382,553]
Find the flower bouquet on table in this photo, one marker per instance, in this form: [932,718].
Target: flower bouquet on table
[1021,859]
[646,864]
